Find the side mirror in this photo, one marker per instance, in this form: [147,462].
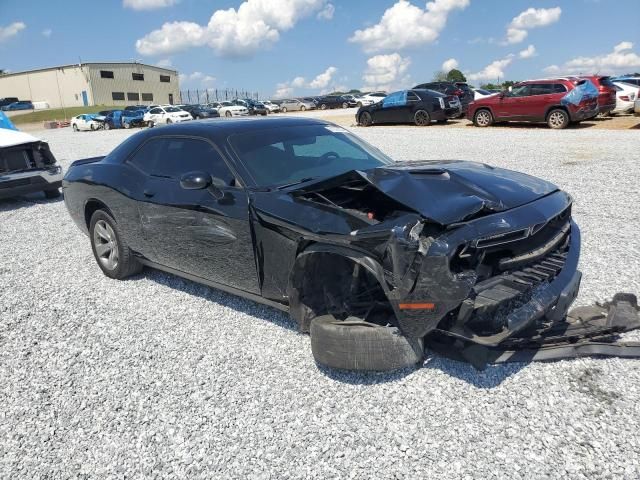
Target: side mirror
[195,180]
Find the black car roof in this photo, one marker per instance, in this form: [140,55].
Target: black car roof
[219,129]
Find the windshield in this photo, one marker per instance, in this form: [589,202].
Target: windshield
[171,109]
[281,156]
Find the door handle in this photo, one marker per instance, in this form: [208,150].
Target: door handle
[148,193]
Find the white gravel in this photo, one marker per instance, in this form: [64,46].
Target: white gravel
[158,376]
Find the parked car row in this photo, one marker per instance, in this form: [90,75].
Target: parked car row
[558,102]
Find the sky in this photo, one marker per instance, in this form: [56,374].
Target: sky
[283,48]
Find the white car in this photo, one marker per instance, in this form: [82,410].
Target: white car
[228,109]
[370,98]
[84,122]
[166,114]
[272,107]
[626,94]
[479,93]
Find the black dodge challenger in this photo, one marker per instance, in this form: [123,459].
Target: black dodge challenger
[372,257]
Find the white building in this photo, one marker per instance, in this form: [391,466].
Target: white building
[93,84]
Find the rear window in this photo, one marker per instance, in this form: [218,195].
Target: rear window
[606,81]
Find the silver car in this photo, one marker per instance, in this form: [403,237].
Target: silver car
[292,105]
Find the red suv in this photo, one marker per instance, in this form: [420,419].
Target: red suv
[556,102]
[606,92]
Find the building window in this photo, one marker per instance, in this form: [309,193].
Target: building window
[147,97]
[165,78]
[106,74]
[133,97]
[138,76]
[117,95]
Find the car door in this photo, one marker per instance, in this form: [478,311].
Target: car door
[393,107]
[193,231]
[534,105]
[511,105]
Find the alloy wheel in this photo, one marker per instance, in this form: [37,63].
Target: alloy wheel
[483,118]
[556,119]
[106,245]
[422,118]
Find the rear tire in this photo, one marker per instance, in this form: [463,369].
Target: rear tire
[422,118]
[113,255]
[169,121]
[284,109]
[483,118]
[151,124]
[107,126]
[75,127]
[365,119]
[558,119]
[345,105]
[303,108]
[323,106]
[353,344]
[228,114]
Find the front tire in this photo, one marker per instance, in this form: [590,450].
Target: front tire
[345,105]
[303,108]
[228,114]
[483,118]
[558,119]
[422,118]
[113,255]
[75,127]
[365,119]
[284,109]
[354,344]
[107,126]
[323,107]
[151,124]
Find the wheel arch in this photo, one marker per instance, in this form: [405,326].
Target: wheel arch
[91,206]
[556,107]
[311,266]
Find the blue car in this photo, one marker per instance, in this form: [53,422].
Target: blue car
[20,105]
[133,118]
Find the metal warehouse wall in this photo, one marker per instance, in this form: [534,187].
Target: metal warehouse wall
[122,82]
[62,86]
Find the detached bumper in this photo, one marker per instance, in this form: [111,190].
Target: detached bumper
[22,183]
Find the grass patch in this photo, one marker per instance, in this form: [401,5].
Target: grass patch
[56,114]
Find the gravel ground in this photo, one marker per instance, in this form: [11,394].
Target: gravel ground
[158,376]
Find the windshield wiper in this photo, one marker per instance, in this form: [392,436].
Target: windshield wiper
[302,180]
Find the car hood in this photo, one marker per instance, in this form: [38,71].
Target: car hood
[447,192]
[10,138]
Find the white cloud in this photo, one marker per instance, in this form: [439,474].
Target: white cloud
[404,25]
[528,52]
[384,72]
[283,90]
[47,32]
[493,71]
[164,63]
[255,25]
[327,12]
[323,80]
[148,4]
[619,60]
[449,65]
[519,27]
[196,79]
[11,30]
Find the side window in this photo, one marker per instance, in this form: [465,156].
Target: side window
[395,99]
[176,156]
[412,97]
[559,88]
[155,111]
[520,91]
[541,89]
[146,157]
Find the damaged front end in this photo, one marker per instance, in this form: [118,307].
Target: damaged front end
[487,279]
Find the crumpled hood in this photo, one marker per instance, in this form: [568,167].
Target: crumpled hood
[453,191]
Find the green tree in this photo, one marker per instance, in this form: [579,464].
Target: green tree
[456,75]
